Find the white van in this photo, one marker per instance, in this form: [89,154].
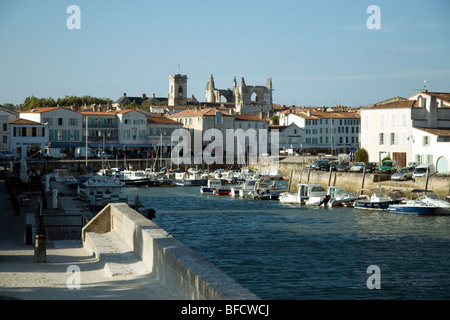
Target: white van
[80,152]
[54,153]
[422,169]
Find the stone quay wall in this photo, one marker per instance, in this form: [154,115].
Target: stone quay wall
[352,181]
[179,268]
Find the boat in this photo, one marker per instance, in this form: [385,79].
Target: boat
[101,190]
[217,187]
[130,178]
[379,200]
[263,191]
[189,179]
[305,191]
[432,199]
[413,207]
[244,188]
[335,197]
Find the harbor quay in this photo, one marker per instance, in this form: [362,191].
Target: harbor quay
[118,254]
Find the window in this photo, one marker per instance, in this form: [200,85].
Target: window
[403,119]
[33,131]
[60,121]
[393,120]
[381,139]
[426,140]
[381,120]
[393,139]
[5,127]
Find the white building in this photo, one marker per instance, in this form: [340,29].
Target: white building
[65,126]
[409,130]
[290,138]
[28,137]
[386,129]
[325,129]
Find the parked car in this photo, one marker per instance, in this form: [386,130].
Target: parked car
[54,153]
[343,166]
[320,165]
[371,166]
[105,155]
[333,165]
[413,164]
[357,167]
[6,155]
[388,166]
[423,169]
[403,174]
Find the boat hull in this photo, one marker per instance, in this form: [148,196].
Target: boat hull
[407,209]
[374,205]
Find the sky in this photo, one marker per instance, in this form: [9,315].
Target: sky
[316,52]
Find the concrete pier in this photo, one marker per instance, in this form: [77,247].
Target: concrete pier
[127,242]
[123,256]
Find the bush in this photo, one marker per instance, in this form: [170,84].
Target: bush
[362,155]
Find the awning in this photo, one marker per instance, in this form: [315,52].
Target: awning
[65,144]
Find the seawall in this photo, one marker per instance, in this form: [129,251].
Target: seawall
[179,268]
[353,182]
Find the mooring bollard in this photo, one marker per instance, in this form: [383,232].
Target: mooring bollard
[40,254]
[28,234]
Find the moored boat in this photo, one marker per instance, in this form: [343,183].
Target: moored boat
[379,200]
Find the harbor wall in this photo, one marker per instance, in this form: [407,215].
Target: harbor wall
[354,182]
[179,268]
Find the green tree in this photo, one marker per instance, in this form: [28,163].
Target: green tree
[362,155]
[275,120]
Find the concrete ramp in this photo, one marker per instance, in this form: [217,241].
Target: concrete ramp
[115,254]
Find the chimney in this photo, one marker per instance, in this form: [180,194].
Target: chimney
[144,96]
[124,94]
[153,95]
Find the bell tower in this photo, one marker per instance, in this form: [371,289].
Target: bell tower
[177,90]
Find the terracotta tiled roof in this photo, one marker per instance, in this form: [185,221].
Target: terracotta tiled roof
[437,132]
[243,117]
[198,113]
[403,104]
[45,109]
[23,121]
[159,119]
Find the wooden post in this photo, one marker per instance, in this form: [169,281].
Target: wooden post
[363,177]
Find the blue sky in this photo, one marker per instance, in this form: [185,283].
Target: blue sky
[316,52]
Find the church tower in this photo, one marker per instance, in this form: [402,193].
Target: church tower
[177,90]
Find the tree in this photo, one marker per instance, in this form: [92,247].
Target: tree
[362,155]
[275,120]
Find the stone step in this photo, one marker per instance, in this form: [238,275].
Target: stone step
[116,256]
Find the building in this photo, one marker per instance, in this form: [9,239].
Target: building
[28,137]
[415,129]
[159,133]
[290,138]
[65,126]
[178,90]
[327,130]
[5,131]
[386,130]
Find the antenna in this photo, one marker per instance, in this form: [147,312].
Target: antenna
[424,89]
[179,72]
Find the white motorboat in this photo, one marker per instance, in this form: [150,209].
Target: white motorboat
[379,200]
[430,198]
[335,197]
[305,191]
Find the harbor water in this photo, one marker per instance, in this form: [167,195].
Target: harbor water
[290,252]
